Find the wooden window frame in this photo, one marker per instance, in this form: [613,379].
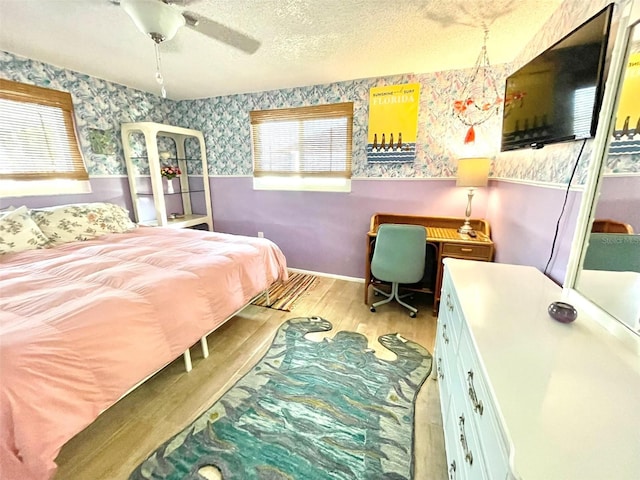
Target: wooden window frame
[72,168]
[300,115]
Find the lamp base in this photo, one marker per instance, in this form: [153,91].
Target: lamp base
[465,228]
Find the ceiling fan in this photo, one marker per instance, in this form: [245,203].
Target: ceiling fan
[161,20]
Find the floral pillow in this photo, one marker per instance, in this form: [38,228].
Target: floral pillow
[18,232]
[68,223]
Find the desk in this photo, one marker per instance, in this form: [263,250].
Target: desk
[443,237]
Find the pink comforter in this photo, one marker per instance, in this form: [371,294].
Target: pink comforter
[84,322]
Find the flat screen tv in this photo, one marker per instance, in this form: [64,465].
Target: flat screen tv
[556,97]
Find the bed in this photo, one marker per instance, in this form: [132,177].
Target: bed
[83,322]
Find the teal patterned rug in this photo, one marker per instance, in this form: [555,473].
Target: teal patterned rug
[308,410]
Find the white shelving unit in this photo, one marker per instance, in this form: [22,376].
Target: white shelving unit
[153,205]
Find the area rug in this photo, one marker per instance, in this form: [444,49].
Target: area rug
[283,296]
[308,410]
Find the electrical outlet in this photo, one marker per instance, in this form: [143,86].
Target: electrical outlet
[260,234]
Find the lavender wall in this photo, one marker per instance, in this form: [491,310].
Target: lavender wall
[523,220]
[325,232]
[619,200]
[104,189]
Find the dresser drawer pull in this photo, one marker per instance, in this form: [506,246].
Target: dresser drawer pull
[440,374]
[468,455]
[449,302]
[466,250]
[444,333]
[477,404]
[452,470]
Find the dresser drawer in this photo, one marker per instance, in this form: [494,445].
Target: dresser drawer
[482,411]
[470,463]
[443,388]
[455,458]
[461,250]
[447,334]
[449,317]
[444,364]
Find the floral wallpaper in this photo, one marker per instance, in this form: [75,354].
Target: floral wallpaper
[225,123]
[101,107]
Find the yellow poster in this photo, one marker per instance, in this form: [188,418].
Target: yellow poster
[626,132]
[393,123]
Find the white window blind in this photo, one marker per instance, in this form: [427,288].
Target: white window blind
[303,142]
[583,103]
[37,134]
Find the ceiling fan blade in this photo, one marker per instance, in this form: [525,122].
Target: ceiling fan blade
[221,32]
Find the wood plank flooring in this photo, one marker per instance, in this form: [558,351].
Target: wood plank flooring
[123,436]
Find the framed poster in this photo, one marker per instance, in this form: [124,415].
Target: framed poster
[393,123]
[626,132]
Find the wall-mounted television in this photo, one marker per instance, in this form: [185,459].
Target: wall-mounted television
[556,97]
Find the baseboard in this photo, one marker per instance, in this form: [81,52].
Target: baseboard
[328,275]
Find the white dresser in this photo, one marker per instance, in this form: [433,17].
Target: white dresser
[524,396]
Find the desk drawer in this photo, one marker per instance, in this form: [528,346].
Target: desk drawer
[461,250]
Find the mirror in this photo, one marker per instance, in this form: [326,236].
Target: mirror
[607,264]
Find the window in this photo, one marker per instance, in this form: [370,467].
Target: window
[305,148]
[583,103]
[38,146]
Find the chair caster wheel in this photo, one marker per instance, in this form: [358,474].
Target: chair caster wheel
[412,314]
[373,309]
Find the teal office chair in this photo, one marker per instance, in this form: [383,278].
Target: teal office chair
[398,258]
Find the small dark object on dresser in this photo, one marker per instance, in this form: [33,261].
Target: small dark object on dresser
[562,312]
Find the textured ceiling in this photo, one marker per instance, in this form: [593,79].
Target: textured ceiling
[303,42]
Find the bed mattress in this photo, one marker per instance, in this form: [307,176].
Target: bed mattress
[84,322]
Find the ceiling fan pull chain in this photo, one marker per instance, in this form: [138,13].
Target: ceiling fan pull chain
[159,77]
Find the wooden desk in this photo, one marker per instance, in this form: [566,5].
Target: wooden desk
[443,237]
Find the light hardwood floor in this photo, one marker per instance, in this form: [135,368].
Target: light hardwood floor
[123,436]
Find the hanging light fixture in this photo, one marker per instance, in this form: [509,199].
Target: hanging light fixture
[157,20]
[480,98]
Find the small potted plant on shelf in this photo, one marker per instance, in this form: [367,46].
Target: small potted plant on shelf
[170,173]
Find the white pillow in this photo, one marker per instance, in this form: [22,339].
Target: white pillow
[5,211]
[81,221]
[18,232]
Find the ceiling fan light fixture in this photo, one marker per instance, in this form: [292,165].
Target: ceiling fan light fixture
[154,18]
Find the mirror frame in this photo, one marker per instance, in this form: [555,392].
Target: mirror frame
[628,19]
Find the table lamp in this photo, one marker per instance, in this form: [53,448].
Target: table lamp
[472,173]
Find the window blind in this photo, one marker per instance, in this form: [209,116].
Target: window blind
[583,103]
[305,141]
[37,135]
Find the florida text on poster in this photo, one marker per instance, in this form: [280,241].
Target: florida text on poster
[393,123]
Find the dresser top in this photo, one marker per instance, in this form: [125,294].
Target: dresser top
[568,394]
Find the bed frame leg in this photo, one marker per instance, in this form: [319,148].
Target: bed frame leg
[187,360]
[205,347]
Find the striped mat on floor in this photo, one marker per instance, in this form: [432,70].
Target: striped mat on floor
[282,296]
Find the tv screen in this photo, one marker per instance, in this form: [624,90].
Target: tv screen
[556,97]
